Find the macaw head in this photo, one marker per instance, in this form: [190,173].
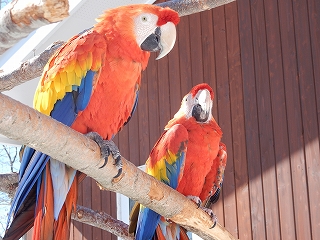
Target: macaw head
[149,27]
[197,104]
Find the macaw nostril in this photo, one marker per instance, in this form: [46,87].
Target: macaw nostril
[158,31]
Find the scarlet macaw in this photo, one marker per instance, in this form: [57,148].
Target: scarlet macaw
[188,157]
[90,84]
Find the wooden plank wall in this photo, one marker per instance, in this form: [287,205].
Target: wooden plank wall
[262,59]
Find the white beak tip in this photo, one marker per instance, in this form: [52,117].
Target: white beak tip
[168,39]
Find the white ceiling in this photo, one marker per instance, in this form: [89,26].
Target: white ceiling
[82,16]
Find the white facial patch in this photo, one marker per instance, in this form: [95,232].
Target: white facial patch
[144,25]
[203,98]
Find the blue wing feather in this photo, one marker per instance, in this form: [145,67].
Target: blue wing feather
[174,170]
[33,162]
[173,140]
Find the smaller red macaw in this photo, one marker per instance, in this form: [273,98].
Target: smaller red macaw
[188,157]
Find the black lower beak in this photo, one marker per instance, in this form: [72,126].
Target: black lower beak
[199,114]
[152,42]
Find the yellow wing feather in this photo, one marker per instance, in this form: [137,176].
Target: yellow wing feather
[67,67]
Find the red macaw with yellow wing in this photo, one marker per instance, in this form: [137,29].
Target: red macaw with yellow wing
[90,84]
[188,157]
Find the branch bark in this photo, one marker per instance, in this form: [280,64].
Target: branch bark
[102,220]
[19,18]
[9,183]
[188,7]
[32,128]
[33,68]
[28,70]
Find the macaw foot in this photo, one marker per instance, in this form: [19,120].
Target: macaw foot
[107,147]
[195,199]
[211,214]
[198,201]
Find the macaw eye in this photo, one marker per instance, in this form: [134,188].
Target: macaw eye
[144,18]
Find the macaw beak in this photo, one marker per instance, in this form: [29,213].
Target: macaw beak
[162,40]
[201,111]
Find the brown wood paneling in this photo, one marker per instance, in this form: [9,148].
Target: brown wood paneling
[222,88]
[106,207]
[195,50]
[236,203]
[163,92]
[295,134]
[281,147]
[309,115]
[133,136]
[185,55]
[142,109]
[251,121]
[271,215]
[96,206]
[174,81]
[208,53]
[87,202]
[153,101]
[77,227]
[314,9]
[314,169]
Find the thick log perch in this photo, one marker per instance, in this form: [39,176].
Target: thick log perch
[34,129]
[19,18]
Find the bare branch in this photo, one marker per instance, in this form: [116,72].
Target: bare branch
[188,7]
[28,70]
[11,158]
[102,220]
[19,18]
[9,183]
[26,125]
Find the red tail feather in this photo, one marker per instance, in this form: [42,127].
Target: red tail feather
[45,227]
[62,225]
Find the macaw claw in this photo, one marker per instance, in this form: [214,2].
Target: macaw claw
[198,201]
[107,147]
[195,199]
[212,216]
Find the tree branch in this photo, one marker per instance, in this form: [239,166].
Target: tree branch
[188,7]
[103,221]
[32,128]
[32,68]
[28,70]
[19,18]
[9,183]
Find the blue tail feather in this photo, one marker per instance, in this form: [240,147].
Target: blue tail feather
[147,224]
[32,172]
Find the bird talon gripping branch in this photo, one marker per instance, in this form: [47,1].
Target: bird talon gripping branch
[107,147]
